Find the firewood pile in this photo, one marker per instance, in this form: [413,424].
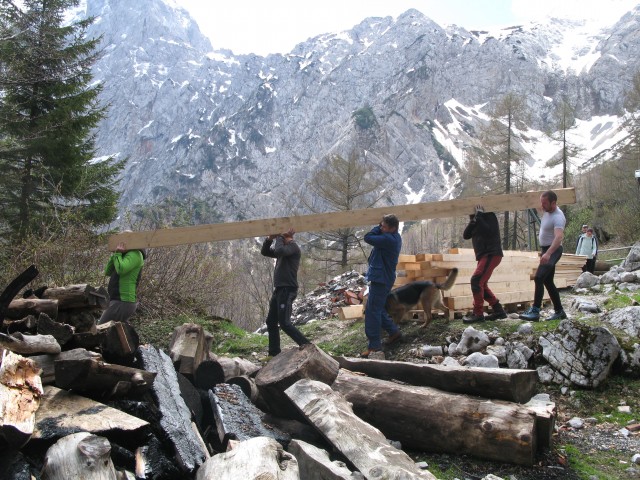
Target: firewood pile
[98,405]
[511,281]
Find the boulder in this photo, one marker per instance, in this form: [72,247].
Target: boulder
[586,280]
[477,359]
[632,262]
[626,319]
[583,355]
[472,341]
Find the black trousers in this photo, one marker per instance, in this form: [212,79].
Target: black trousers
[544,279]
[280,307]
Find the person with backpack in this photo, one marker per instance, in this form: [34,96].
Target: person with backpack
[588,246]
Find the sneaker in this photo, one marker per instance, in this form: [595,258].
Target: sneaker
[533,314]
[369,351]
[558,315]
[473,318]
[393,338]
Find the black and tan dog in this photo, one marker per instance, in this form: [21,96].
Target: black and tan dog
[406,298]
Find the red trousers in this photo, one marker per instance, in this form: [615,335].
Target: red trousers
[479,279]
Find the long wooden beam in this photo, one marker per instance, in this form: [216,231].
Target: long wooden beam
[331,221]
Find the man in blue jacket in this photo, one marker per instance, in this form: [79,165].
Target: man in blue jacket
[381,274]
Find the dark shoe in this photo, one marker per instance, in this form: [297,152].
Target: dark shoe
[473,318]
[558,315]
[532,314]
[396,337]
[368,352]
[498,312]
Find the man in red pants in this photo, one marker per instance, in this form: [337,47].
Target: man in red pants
[484,232]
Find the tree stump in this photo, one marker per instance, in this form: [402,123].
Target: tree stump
[187,348]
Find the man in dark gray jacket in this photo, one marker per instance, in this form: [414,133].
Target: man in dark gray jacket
[285,281]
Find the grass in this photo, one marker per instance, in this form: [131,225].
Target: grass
[621,300]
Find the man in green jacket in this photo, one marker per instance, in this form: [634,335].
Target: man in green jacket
[125,268]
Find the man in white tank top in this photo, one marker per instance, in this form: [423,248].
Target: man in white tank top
[550,237]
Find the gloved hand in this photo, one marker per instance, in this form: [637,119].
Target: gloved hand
[479,209]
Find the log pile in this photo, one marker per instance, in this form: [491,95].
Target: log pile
[512,280]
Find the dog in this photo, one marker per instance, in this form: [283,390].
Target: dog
[405,298]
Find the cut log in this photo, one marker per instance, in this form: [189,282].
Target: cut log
[448,422]
[14,465]
[295,429]
[175,418]
[220,369]
[80,455]
[77,296]
[512,385]
[237,418]
[60,331]
[361,443]
[259,457]
[29,344]
[21,307]
[285,369]
[20,392]
[314,463]
[82,320]
[351,312]
[14,288]
[28,324]
[248,387]
[546,413]
[46,363]
[187,348]
[119,342]
[110,380]
[62,412]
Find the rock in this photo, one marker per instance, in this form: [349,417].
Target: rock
[636,459]
[431,350]
[629,277]
[472,341]
[452,349]
[632,262]
[525,329]
[477,359]
[626,319]
[576,422]
[587,280]
[450,361]
[582,354]
[610,277]
[585,305]
[498,351]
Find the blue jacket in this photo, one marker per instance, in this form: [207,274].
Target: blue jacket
[384,256]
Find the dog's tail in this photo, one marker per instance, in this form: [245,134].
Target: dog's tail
[451,279]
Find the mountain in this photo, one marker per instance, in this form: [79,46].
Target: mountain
[241,133]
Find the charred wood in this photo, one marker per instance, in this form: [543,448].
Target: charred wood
[17,284]
[60,331]
[29,344]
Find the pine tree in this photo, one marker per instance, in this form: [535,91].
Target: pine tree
[48,112]
[564,116]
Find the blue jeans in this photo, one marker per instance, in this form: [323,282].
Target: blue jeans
[376,317]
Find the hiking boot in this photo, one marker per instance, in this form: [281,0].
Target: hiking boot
[498,312]
[558,315]
[393,338]
[473,318]
[532,314]
[370,351]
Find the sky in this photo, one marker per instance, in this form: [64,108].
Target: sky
[257,26]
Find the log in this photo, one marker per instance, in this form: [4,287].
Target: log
[97,377]
[118,341]
[152,462]
[187,348]
[46,363]
[21,307]
[28,324]
[82,320]
[220,369]
[248,387]
[256,458]
[77,296]
[175,418]
[315,464]
[295,429]
[60,331]
[546,413]
[448,422]
[14,288]
[20,392]
[237,418]
[63,412]
[14,465]
[285,369]
[512,385]
[29,344]
[361,443]
[80,455]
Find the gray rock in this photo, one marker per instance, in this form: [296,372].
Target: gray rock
[585,305]
[472,341]
[576,422]
[626,319]
[610,277]
[636,459]
[450,362]
[477,359]
[498,351]
[629,277]
[431,350]
[632,262]
[525,329]
[548,375]
[586,280]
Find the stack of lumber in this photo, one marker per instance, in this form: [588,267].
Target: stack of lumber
[512,280]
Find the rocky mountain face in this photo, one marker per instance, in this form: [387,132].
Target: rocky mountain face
[241,134]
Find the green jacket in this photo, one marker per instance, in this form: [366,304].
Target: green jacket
[125,269]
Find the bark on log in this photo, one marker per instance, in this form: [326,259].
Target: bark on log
[258,457]
[14,465]
[20,392]
[219,369]
[28,324]
[46,363]
[61,332]
[29,344]
[295,429]
[175,418]
[110,380]
[448,423]
[77,296]
[285,369]
[21,307]
[84,321]
[361,443]
[187,348]
[315,464]
[512,385]
[80,455]
[237,418]
[62,412]
[14,288]
[119,342]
